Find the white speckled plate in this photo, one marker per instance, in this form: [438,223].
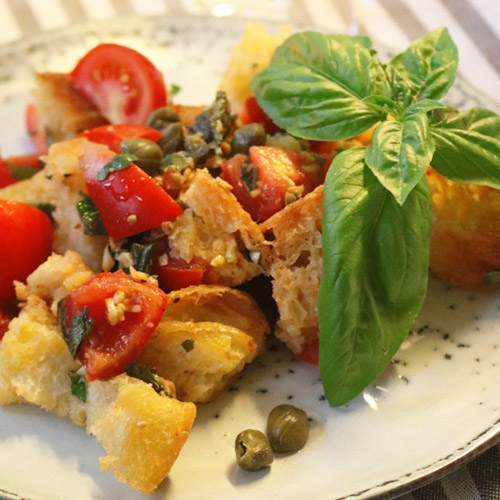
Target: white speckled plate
[436,405]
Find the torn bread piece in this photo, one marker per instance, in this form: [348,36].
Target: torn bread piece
[65,112]
[295,264]
[216,228]
[141,430]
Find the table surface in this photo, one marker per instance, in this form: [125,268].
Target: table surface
[473,24]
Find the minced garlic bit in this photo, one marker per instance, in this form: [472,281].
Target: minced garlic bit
[107,259]
[132,219]
[255,257]
[218,260]
[116,307]
[143,277]
[125,259]
[163,259]
[293,193]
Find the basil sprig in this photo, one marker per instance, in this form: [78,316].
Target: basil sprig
[376,206]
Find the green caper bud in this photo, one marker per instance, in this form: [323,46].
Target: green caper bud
[197,147]
[252,450]
[287,428]
[161,117]
[148,153]
[171,138]
[249,135]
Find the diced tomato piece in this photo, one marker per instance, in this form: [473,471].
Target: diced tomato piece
[253,113]
[123,84]
[278,171]
[8,311]
[129,201]
[125,314]
[25,243]
[6,177]
[178,273]
[113,135]
[311,353]
[35,129]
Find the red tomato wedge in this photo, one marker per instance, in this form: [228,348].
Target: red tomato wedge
[35,129]
[125,314]
[8,311]
[311,353]
[178,273]
[123,84]
[7,176]
[129,201]
[253,113]
[278,170]
[26,242]
[113,135]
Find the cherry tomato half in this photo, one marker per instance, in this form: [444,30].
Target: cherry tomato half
[253,113]
[125,314]
[129,201]
[113,135]
[123,84]
[178,273]
[25,243]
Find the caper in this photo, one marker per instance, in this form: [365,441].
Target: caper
[252,450]
[161,117]
[171,138]
[197,147]
[287,428]
[148,153]
[249,135]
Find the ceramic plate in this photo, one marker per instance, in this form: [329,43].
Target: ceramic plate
[436,404]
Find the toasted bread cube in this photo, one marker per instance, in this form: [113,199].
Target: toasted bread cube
[65,112]
[200,358]
[218,304]
[465,235]
[295,264]
[215,227]
[37,189]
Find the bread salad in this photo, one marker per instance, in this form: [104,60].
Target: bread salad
[126,237]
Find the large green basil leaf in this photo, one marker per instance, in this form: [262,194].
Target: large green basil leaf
[400,153]
[315,85]
[374,279]
[426,69]
[467,146]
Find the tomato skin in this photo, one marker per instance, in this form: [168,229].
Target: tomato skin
[311,353]
[129,201]
[26,242]
[253,113]
[6,178]
[123,84]
[109,349]
[35,129]
[8,311]
[278,170]
[113,135]
[179,274]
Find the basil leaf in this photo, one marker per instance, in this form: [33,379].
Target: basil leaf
[145,374]
[81,326]
[119,162]
[468,146]
[315,86]
[47,208]
[78,386]
[423,106]
[20,173]
[91,220]
[400,153]
[142,255]
[426,69]
[374,278]
[188,345]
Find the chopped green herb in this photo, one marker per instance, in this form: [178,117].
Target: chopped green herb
[142,255]
[145,374]
[174,89]
[47,208]
[78,386]
[91,220]
[250,175]
[119,162]
[81,326]
[188,345]
[20,172]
